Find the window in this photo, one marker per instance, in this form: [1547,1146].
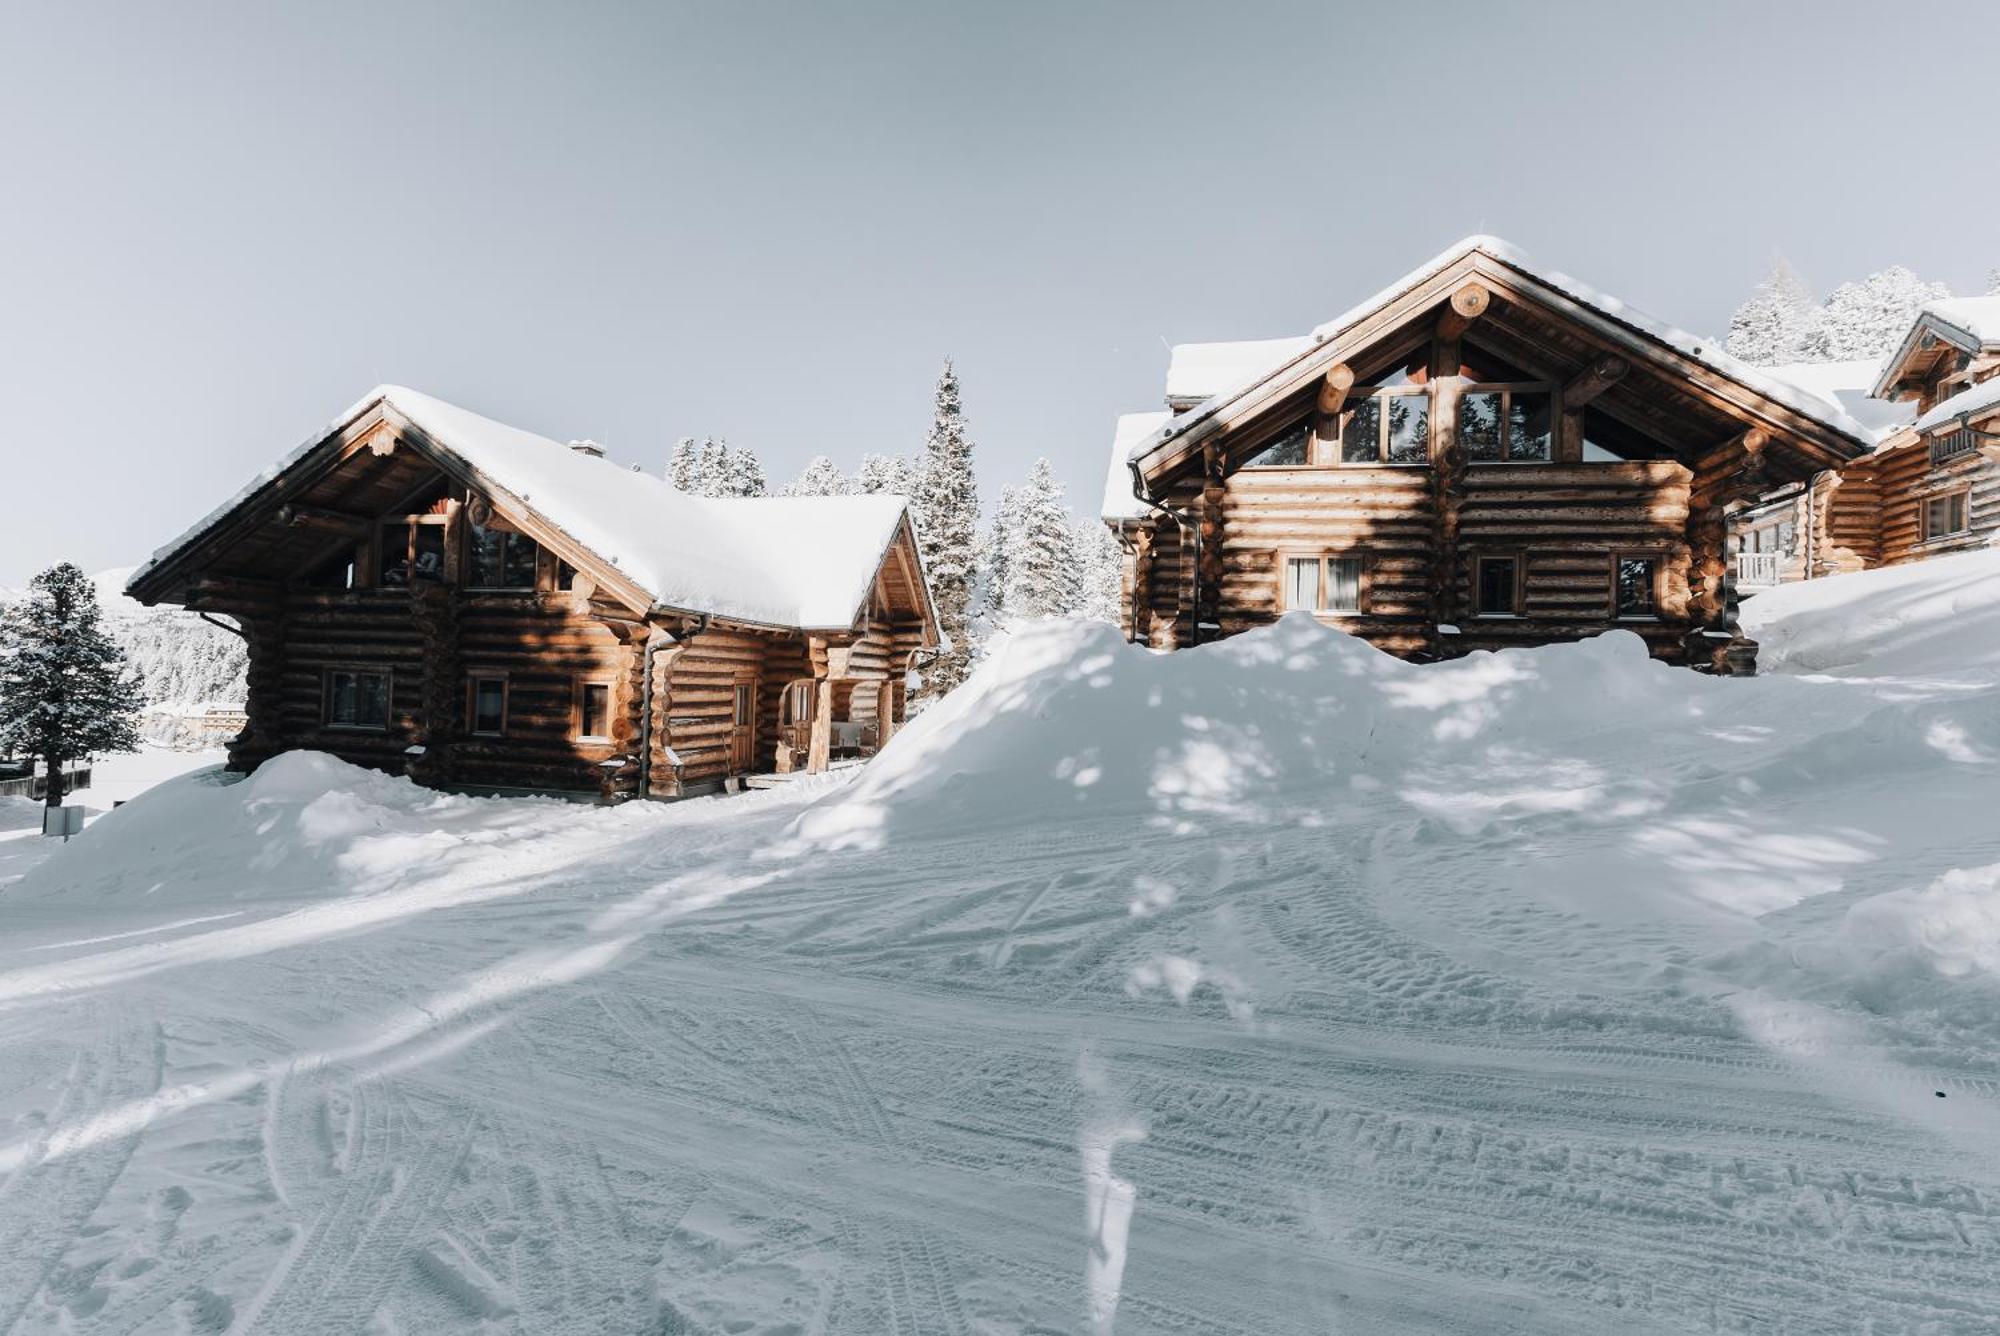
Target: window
[565,576]
[593,712]
[1501,424]
[496,559]
[411,549]
[487,706]
[1497,586]
[1321,584]
[1634,587]
[1388,426]
[1288,451]
[356,698]
[335,574]
[1945,515]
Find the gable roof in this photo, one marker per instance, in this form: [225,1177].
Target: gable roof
[1974,401]
[1120,503]
[1971,324]
[1631,326]
[1848,386]
[798,562]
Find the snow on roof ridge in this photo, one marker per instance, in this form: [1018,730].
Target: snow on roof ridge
[1703,350]
[804,562]
[1978,318]
[1973,401]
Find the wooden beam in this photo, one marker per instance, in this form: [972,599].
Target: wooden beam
[819,749]
[297,513]
[1465,306]
[1594,380]
[1339,379]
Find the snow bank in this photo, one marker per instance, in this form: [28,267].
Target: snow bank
[1952,925]
[1940,616]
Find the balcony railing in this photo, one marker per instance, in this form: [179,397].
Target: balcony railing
[1758,569]
[1950,445]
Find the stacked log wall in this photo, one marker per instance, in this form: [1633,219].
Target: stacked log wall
[1906,480]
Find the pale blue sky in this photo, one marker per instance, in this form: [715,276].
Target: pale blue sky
[772,222]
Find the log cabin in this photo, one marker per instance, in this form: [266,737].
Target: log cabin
[1484,454]
[1931,486]
[429,592]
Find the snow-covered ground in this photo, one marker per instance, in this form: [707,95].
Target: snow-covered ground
[1272,987]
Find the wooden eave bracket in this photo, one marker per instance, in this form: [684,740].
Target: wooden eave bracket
[1465,305]
[1594,380]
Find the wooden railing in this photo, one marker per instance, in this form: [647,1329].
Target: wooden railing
[1950,445]
[1757,568]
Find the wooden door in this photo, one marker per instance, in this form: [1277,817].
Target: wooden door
[743,725]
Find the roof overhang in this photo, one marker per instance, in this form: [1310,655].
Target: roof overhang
[1927,331]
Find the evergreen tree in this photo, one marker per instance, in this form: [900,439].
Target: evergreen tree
[822,477]
[1003,537]
[65,688]
[683,466]
[885,473]
[1100,571]
[1993,282]
[1041,575]
[945,505]
[1778,324]
[746,472]
[711,467]
[1866,319]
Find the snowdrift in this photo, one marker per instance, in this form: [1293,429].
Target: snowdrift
[1940,616]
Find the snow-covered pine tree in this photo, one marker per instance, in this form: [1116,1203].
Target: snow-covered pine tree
[884,473]
[1993,282]
[945,505]
[65,688]
[1100,572]
[1866,319]
[683,465]
[1778,324]
[711,467]
[1041,579]
[1003,536]
[822,477]
[745,472]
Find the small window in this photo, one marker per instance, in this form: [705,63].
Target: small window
[1499,425]
[1301,584]
[593,711]
[1288,451]
[746,705]
[1343,584]
[1497,582]
[1945,515]
[496,559]
[488,706]
[565,576]
[1634,587]
[1322,584]
[356,698]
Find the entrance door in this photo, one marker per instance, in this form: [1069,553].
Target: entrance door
[743,725]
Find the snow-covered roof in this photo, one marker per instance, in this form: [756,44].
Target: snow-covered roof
[1978,317]
[1972,323]
[1119,501]
[805,562]
[1197,371]
[1706,351]
[1849,387]
[1977,400]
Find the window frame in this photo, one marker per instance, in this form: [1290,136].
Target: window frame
[581,711]
[1310,440]
[1657,562]
[1507,389]
[1520,600]
[472,681]
[326,676]
[1325,557]
[1338,443]
[1962,496]
[509,537]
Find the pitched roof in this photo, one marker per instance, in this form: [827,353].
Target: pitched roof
[1847,386]
[805,562]
[1973,401]
[1970,323]
[1198,371]
[1707,352]
[1119,501]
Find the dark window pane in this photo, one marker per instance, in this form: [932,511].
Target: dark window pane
[428,541]
[1343,580]
[393,567]
[596,711]
[1409,428]
[1635,587]
[565,575]
[1479,426]
[1301,583]
[357,700]
[489,705]
[518,566]
[1528,417]
[483,551]
[1496,585]
[1287,451]
[1361,438]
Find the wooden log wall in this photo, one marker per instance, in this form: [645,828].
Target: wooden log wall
[699,702]
[1905,481]
[1847,520]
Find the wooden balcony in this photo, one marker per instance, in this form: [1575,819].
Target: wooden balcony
[1757,570]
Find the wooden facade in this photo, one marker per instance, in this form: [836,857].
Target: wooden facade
[1483,460]
[1928,489]
[403,613]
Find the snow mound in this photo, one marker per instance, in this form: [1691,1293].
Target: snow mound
[1952,925]
[1940,616]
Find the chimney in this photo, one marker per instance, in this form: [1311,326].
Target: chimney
[591,448]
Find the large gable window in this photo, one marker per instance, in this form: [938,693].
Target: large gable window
[497,559]
[1390,426]
[1506,424]
[1288,451]
[410,550]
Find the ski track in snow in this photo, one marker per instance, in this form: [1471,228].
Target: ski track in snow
[874,1091]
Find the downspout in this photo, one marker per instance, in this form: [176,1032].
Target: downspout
[1181,523]
[222,625]
[1812,543]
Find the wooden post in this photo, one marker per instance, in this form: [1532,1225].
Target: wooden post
[1208,572]
[434,609]
[1448,470]
[1333,390]
[885,712]
[1724,477]
[820,753]
[1142,583]
[1465,306]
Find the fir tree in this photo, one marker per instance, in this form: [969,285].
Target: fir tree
[1993,282]
[65,688]
[945,505]
[683,466]
[1866,319]
[1041,575]
[1100,572]
[745,472]
[885,473]
[1002,538]
[822,477]
[1778,324]
[711,467]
